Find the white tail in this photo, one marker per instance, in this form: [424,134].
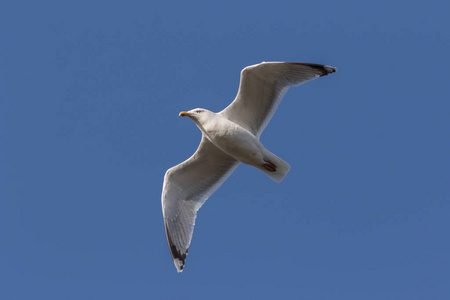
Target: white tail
[281,167]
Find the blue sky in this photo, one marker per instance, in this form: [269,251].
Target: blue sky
[90,93]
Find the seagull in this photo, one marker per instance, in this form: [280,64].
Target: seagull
[229,137]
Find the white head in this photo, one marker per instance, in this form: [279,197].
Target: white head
[198,115]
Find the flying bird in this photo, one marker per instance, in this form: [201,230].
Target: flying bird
[229,137]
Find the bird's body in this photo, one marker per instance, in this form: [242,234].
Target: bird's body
[238,142]
[229,137]
[234,140]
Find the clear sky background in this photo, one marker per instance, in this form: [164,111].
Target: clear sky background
[90,93]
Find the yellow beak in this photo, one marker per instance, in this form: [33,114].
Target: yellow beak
[184,114]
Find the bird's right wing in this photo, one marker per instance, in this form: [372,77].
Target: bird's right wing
[186,187]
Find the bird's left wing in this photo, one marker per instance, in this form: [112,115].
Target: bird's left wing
[186,187]
[263,86]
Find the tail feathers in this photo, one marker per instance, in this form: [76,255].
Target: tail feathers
[281,167]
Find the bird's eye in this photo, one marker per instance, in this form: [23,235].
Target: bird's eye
[199,111]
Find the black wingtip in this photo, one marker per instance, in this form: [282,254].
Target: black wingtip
[179,257]
[329,70]
[323,69]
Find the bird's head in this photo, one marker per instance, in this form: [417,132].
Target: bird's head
[197,114]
